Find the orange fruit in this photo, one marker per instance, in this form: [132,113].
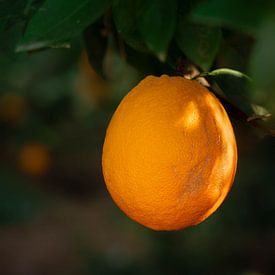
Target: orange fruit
[34,159]
[169,156]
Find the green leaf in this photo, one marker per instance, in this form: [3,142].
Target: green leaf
[32,7]
[126,14]
[200,43]
[262,67]
[224,72]
[145,62]
[245,15]
[12,11]
[235,87]
[157,24]
[58,21]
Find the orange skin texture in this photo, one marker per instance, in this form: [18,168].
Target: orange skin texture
[170,155]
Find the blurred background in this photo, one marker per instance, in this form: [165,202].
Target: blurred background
[56,216]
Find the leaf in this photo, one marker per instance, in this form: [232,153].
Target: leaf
[226,72]
[262,65]
[11,12]
[145,63]
[157,24]
[185,7]
[32,6]
[245,15]
[126,14]
[200,43]
[96,46]
[58,21]
[235,87]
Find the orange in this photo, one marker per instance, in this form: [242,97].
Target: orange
[34,159]
[169,156]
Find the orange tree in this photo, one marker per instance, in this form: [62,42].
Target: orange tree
[172,37]
[228,45]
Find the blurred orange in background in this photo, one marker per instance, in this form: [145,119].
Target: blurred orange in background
[34,159]
[12,108]
[90,84]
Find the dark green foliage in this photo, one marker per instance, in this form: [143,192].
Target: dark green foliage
[244,15]
[199,42]
[232,85]
[157,23]
[58,21]
[145,31]
[262,63]
[96,44]
[126,17]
